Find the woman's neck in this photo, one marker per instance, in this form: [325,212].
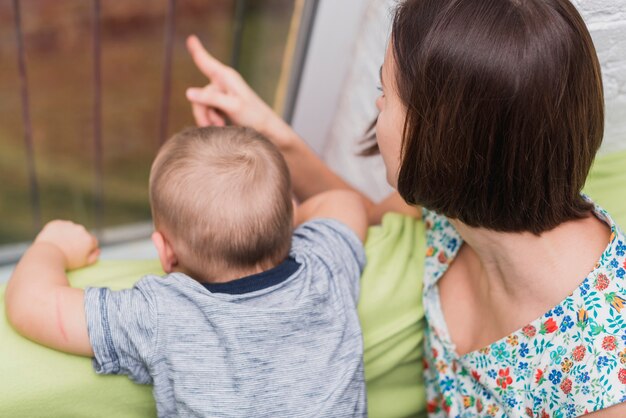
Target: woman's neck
[538,271]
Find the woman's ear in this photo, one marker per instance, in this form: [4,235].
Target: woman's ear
[167,256]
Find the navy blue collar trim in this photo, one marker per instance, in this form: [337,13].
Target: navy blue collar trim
[258,281]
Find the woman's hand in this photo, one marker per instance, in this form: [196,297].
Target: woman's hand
[229,98]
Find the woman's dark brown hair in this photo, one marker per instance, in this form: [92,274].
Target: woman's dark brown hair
[504,110]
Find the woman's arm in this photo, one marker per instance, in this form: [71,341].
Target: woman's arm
[228,97]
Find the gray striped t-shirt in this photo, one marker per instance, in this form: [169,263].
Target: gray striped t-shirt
[260,346]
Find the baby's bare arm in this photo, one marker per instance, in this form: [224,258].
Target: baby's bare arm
[40,304]
[342,205]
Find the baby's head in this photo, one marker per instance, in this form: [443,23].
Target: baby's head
[221,203]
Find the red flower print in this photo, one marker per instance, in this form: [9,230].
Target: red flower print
[475,375]
[539,376]
[442,258]
[425,364]
[566,386]
[602,282]
[608,343]
[446,404]
[529,412]
[622,376]
[549,326]
[435,353]
[432,406]
[504,379]
[544,414]
[529,331]
[579,353]
[479,405]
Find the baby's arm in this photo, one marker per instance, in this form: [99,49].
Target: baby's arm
[40,304]
[342,205]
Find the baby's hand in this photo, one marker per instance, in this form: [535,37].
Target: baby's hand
[79,247]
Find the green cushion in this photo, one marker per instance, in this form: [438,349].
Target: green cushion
[40,382]
[606,185]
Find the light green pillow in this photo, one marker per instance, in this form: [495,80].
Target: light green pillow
[36,381]
[606,185]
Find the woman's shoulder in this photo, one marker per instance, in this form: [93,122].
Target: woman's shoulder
[442,244]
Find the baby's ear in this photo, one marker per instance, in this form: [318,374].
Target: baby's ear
[166,252]
[295,205]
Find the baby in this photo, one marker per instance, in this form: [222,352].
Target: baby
[253,318]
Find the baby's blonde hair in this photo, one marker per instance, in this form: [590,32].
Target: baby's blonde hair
[223,195]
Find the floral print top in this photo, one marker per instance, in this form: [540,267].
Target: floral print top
[568,362]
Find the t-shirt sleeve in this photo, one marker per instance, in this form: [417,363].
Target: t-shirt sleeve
[122,330]
[336,245]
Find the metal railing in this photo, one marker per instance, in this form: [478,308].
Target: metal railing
[10,253]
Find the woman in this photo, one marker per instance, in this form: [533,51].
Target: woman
[490,117]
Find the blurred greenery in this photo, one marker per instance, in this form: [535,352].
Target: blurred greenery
[59,52]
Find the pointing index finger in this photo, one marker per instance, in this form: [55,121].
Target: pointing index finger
[205,62]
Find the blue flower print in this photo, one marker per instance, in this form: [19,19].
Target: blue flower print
[620,273]
[522,365]
[492,374]
[555,377]
[620,249]
[499,352]
[614,264]
[447,384]
[584,288]
[558,310]
[510,400]
[603,361]
[523,350]
[567,323]
[452,244]
[583,377]
[624,338]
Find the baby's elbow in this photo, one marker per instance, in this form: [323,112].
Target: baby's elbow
[14,314]
[17,313]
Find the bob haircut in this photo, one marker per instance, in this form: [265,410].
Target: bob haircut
[504,107]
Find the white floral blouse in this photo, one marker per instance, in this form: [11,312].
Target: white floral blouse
[568,362]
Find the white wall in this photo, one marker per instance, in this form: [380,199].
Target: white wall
[328,60]
[606,20]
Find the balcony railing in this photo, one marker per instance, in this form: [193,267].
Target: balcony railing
[293,52]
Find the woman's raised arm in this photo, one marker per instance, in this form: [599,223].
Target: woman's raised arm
[228,98]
